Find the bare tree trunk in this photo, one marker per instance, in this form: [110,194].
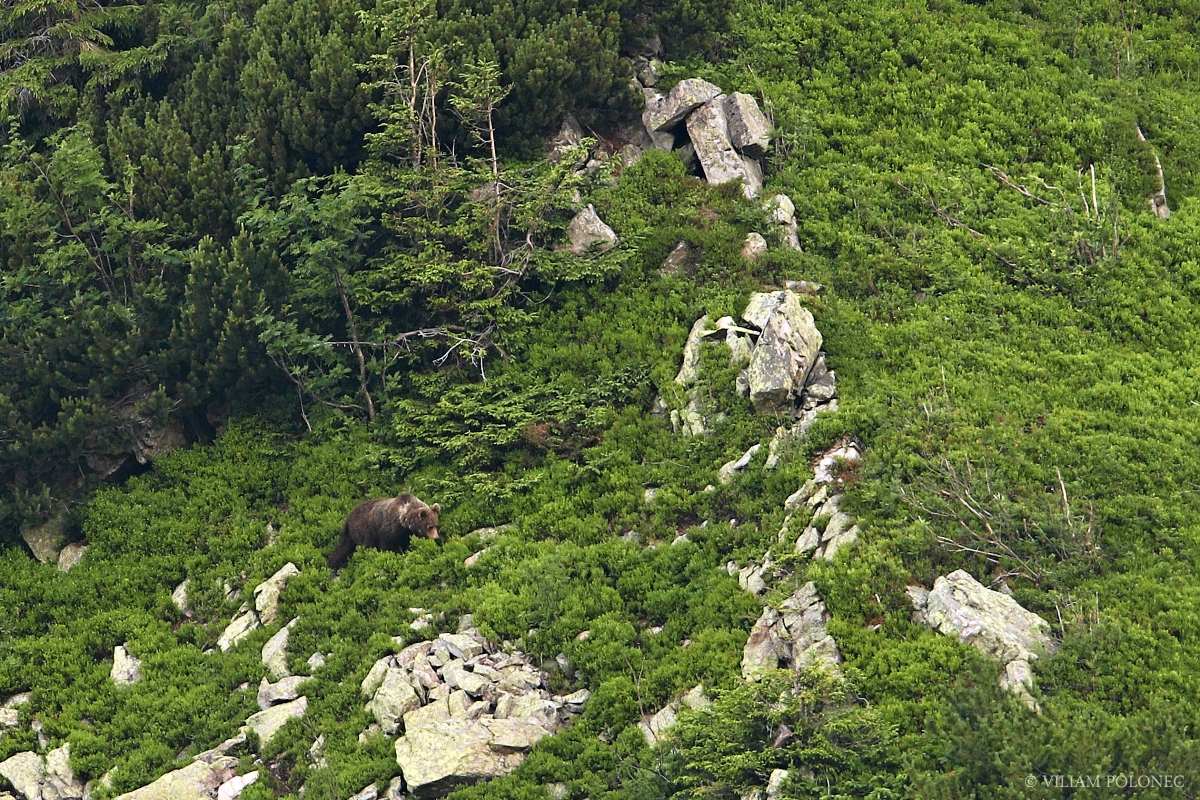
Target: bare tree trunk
[495,182]
[1158,198]
[355,343]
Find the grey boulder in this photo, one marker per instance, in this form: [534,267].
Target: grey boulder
[587,233]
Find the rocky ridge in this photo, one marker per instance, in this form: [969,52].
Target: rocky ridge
[464,710]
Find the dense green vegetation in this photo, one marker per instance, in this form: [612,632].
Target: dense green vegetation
[190,190]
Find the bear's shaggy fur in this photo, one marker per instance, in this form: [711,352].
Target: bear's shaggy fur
[388,523]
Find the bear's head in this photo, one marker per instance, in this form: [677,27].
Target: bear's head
[427,522]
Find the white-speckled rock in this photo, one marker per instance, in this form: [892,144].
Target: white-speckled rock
[587,233]
[126,669]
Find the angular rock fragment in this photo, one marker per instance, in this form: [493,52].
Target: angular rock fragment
[749,129]
[686,96]
[587,233]
[991,622]
[791,637]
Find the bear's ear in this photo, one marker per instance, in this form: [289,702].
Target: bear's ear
[437,508]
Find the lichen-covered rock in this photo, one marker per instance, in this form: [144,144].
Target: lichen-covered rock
[721,163]
[587,233]
[126,669]
[233,788]
[267,723]
[689,370]
[656,726]
[179,597]
[784,354]
[791,637]
[992,622]
[456,752]
[71,555]
[686,96]
[394,698]
[783,214]
[754,247]
[731,469]
[749,129]
[270,694]
[241,626]
[266,594]
[274,652]
[25,773]
[47,540]
[199,780]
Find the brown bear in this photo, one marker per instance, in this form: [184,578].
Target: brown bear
[388,523]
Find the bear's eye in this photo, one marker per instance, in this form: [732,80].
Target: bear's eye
[424,513]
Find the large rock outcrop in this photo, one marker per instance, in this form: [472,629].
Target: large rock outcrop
[792,636]
[725,136]
[783,368]
[464,709]
[991,622]
[35,777]
[707,128]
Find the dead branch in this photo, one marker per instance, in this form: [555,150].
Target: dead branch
[1158,198]
[1005,180]
[954,222]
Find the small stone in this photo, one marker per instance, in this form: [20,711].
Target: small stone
[755,247]
[678,261]
[730,469]
[288,688]
[71,555]
[473,559]
[366,793]
[233,788]
[242,626]
[316,753]
[179,597]
[576,700]
[316,661]
[126,670]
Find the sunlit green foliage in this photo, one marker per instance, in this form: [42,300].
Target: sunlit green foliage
[1001,327]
